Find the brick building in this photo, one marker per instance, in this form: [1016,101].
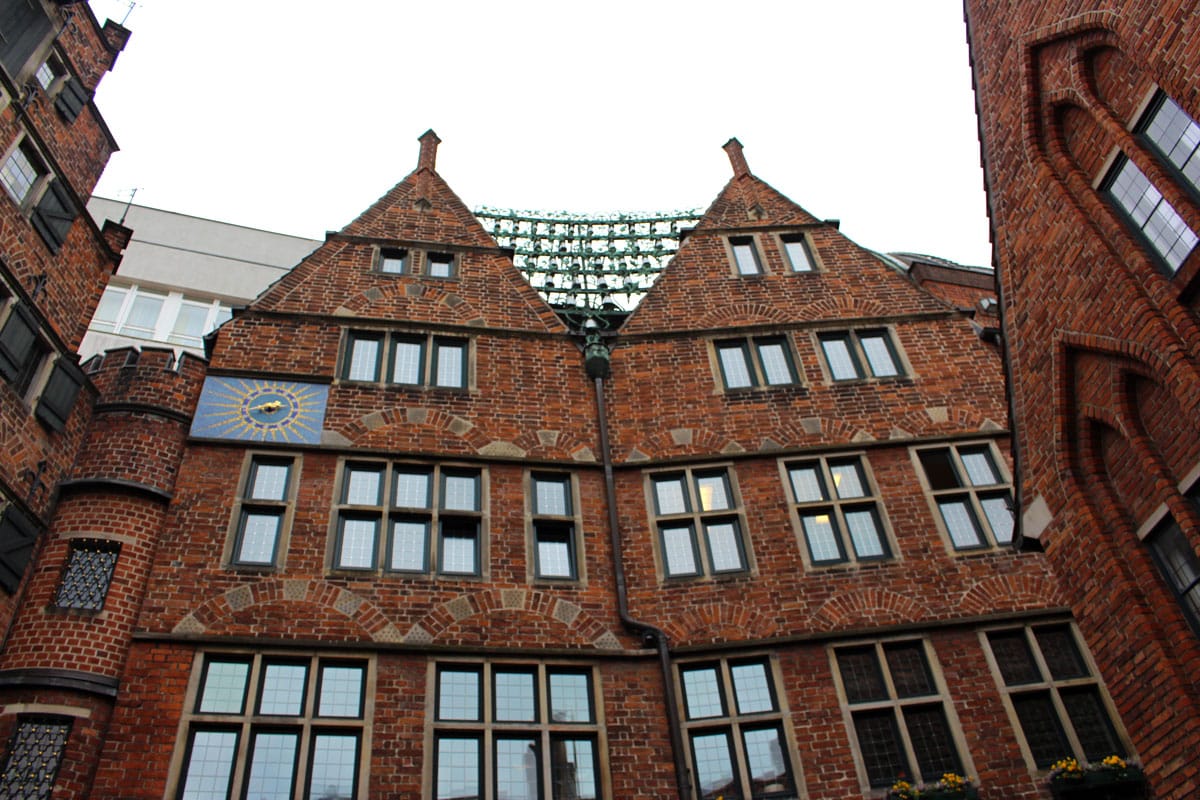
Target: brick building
[1088,119]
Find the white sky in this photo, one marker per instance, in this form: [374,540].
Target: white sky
[296,116]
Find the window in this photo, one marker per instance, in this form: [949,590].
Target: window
[745,255]
[263,511]
[410,518]
[1175,135]
[24,26]
[49,72]
[34,756]
[412,360]
[1052,695]
[440,265]
[554,524]
[735,730]
[21,349]
[897,710]
[973,497]
[516,731]
[837,509]
[698,522]
[853,355]
[54,214]
[275,726]
[87,575]
[394,261]
[59,394]
[163,316]
[759,361]
[17,537]
[1177,561]
[799,253]
[22,171]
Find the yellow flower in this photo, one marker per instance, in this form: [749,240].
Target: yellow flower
[1115,762]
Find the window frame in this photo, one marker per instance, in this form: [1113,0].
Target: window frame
[20,368]
[860,359]
[1053,686]
[871,500]
[895,704]
[696,521]
[39,178]
[166,318]
[543,524]
[1187,597]
[751,348]
[735,723]
[808,247]
[308,725]
[735,241]
[431,347]
[439,521]
[246,506]
[975,494]
[402,256]
[486,728]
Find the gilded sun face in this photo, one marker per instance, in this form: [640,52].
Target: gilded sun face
[261,410]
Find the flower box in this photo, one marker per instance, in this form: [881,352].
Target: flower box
[1101,784]
[970,793]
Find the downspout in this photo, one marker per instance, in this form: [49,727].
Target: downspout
[596,359]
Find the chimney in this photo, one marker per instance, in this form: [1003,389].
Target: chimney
[429,142]
[733,149]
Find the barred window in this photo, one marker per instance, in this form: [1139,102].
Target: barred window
[698,518]
[838,510]
[898,711]
[1056,701]
[87,575]
[34,756]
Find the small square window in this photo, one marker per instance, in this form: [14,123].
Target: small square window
[440,265]
[394,261]
[87,575]
[745,255]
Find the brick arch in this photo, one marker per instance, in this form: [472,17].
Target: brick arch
[841,306]
[1010,592]
[868,607]
[921,422]
[400,296]
[787,432]
[479,616]
[324,600]
[718,620]
[747,313]
[431,428]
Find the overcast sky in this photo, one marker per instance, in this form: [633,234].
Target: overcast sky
[296,116]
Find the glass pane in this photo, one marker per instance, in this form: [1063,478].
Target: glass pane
[939,469]
[797,253]
[393,261]
[766,761]
[451,360]
[515,700]
[19,174]
[931,741]
[272,766]
[341,692]
[441,265]
[260,531]
[807,486]
[283,689]
[837,355]
[143,314]
[224,687]
[752,688]
[865,534]
[879,354]
[1086,711]
[671,495]
[554,552]
[573,769]
[551,496]
[960,523]
[458,694]
[334,764]
[458,548]
[210,765]
[270,481]
[847,479]
[824,545]
[678,551]
[364,360]
[570,697]
[879,743]
[861,677]
[458,769]
[1014,658]
[714,766]
[724,546]
[406,362]
[105,318]
[909,669]
[734,367]
[777,368]
[517,769]
[412,489]
[713,491]
[358,543]
[409,540]
[189,325]
[460,492]
[1160,222]
[702,693]
[1039,723]
[745,256]
[999,517]
[363,486]
[981,471]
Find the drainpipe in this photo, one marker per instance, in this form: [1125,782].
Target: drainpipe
[596,361]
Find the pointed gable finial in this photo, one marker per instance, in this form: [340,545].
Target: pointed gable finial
[733,149]
[429,143]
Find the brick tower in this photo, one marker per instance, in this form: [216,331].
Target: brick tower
[1088,119]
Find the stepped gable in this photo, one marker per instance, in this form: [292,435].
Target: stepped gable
[420,214]
[849,282]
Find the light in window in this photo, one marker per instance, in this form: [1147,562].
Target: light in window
[838,512]
[720,547]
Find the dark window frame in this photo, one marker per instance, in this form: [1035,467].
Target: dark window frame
[19,746]
[697,520]
[832,504]
[974,498]
[553,526]
[741,268]
[751,348]
[383,371]
[860,360]
[248,506]
[810,262]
